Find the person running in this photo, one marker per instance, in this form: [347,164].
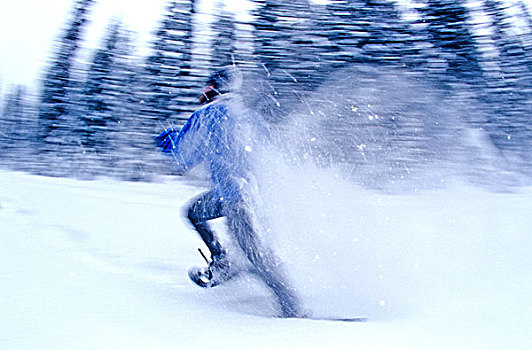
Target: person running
[211,136]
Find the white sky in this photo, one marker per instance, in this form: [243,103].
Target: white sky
[29,27]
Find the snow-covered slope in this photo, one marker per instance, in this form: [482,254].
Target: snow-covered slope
[102,265]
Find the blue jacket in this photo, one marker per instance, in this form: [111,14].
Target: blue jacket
[214,135]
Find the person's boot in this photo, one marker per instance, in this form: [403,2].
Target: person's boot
[217,272]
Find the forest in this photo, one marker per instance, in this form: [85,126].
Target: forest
[98,117]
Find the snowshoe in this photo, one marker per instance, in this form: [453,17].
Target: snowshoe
[217,272]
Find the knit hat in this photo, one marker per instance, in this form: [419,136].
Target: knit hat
[224,80]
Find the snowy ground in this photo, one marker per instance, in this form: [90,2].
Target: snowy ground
[102,265]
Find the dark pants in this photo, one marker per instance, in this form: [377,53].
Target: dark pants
[209,206]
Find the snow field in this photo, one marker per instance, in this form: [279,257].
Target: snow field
[102,264]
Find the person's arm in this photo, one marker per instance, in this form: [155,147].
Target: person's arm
[184,144]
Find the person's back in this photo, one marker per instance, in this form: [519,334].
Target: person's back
[214,135]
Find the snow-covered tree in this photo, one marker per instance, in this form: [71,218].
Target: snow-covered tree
[105,93]
[224,40]
[449,30]
[55,103]
[172,79]
[508,78]
[270,40]
[371,31]
[18,124]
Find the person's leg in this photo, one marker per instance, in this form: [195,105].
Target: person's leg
[206,207]
[267,266]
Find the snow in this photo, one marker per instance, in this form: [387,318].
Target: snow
[102,265]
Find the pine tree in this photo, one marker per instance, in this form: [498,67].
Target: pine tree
[172,78]
[526,81]
[270,35]
[224,40]
[424,56]
[327,51]
[194,69]
[132,156]
[55,103]
[526,41]
[100,90]
[288,42]
[509,76]
[391,40]
[372,31]
[449,31]
[344,33]
[302,62]
[163,68]
[18,124]
[105,93]
[244,42]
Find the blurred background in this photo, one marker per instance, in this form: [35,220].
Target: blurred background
[89,102]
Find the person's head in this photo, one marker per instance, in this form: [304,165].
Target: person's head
[224,80]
